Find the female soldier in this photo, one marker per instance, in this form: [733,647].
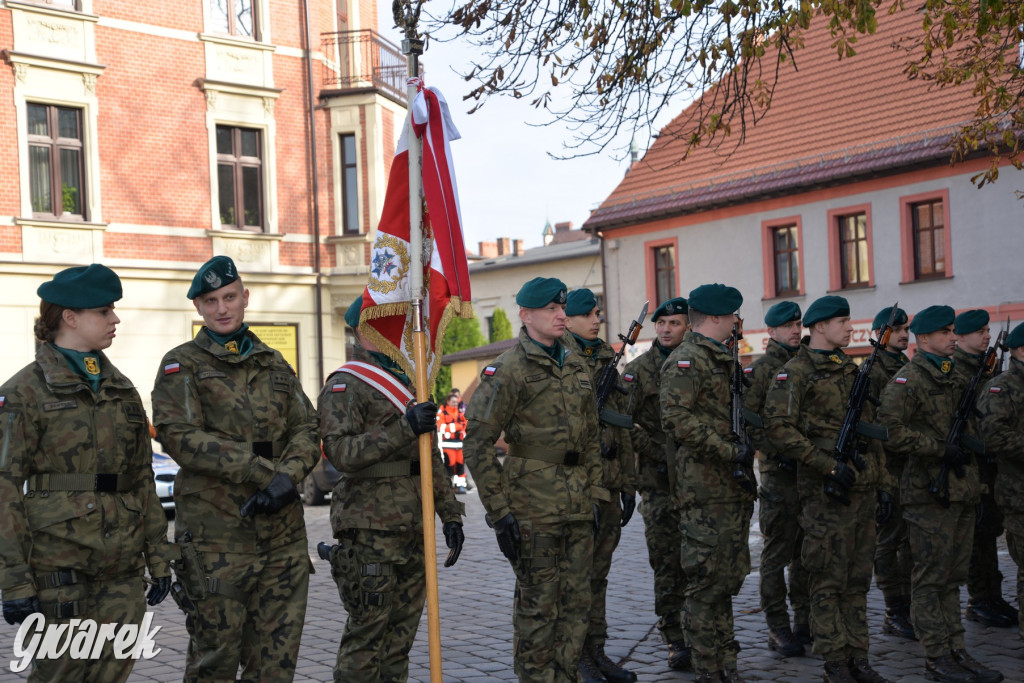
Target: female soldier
[79,515]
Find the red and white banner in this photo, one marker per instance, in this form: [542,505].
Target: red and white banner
[385,318]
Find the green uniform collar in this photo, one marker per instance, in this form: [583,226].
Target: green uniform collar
[837,356]
[391,366]
[717,343]
[1020,365]
[943,363]
[236,342]
[555,352]
[786,347]
[664,351]
[85,364]
[898,355]
[588,347]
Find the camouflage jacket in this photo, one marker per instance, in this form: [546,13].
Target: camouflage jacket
[695,412]
[619,470]
[52,423]
[885,368]
[804,411]
[1001,421]
[362,428]
[918,405]
[231,423]
[545,410]
[761,374]
[643,376]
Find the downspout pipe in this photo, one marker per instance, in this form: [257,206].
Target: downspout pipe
[315,189]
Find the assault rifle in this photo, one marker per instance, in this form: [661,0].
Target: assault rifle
[845,451]
[1003,348]
[609,379]
[958,438]
[739,420]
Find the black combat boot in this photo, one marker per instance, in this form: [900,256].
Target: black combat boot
[730,676]
[784,642]
[611,671]
[983,673]
[679,656]
[984,612]
[897,619]
[946,669]
[802,631]
[706,677]
[863,673]
[1006,608]
[589,673]
[838,672]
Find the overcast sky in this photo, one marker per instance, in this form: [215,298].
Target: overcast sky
[508,185]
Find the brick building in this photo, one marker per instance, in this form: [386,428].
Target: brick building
[260,129]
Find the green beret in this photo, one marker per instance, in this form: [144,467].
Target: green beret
[675,306]
[1016,337]
[715,299]
[970,321]
[826,307]
[214,274]
[540,291]
[932,318]
[782,313]
[352,314]
[883,317]
[92,286]
[580,302]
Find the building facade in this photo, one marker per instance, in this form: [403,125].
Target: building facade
[151,140]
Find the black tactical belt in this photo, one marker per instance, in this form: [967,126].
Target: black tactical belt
[101,482]
[61,577]
[555,456]
[400,468]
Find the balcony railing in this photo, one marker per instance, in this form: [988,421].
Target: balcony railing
[363,59]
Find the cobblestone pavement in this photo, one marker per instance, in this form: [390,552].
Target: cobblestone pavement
[476,621]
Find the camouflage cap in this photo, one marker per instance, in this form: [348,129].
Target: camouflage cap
[970,321]
[214,274]
[82,287]
[826,307]
[541,291]
[782,313]
[715,299]
[352,313]
[883,317]
[580,302]
[1016,337]
[932,318]
[676,306]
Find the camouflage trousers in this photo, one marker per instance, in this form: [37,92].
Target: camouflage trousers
[608,535]
[892,552]
[112,601]
[940,543]
[1014,520]
[252,616]
[984,580]
[715,557]
[661,529]
[552,600]
[380,577]
[779,519]
[839,544]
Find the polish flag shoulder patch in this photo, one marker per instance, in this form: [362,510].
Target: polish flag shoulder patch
[747,371]
[2,399]
[172,368]
[627,378]
[337,388]
[489,371]
[900,380]
[991,390]
[782,376]
[682,363]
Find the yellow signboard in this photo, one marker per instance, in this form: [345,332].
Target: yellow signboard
[283,337]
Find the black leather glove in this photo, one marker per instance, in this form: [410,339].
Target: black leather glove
[886,507]
[628,505]
[507,531]
[278,493]
[857,459]
[453,538]
[597,519]
[744,455]
[422,417]
[158,591]
[955,457]
[843,475]
[17,611]
[785,463]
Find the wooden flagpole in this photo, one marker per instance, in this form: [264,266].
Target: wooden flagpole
[412,47]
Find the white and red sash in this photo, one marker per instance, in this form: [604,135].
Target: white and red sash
[381,380]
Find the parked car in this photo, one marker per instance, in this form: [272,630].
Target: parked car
[164,471]
[319,482]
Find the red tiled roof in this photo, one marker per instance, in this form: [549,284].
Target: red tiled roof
[830,119]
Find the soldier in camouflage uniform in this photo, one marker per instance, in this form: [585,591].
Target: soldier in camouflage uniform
[542,500]
[803,413]
[918,406]
[892,549]
[779,512]
[232,414]
[583,325]
[658,508]
[81,519]
[715,506]
[985,603]
[372,438]
[1001,421]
